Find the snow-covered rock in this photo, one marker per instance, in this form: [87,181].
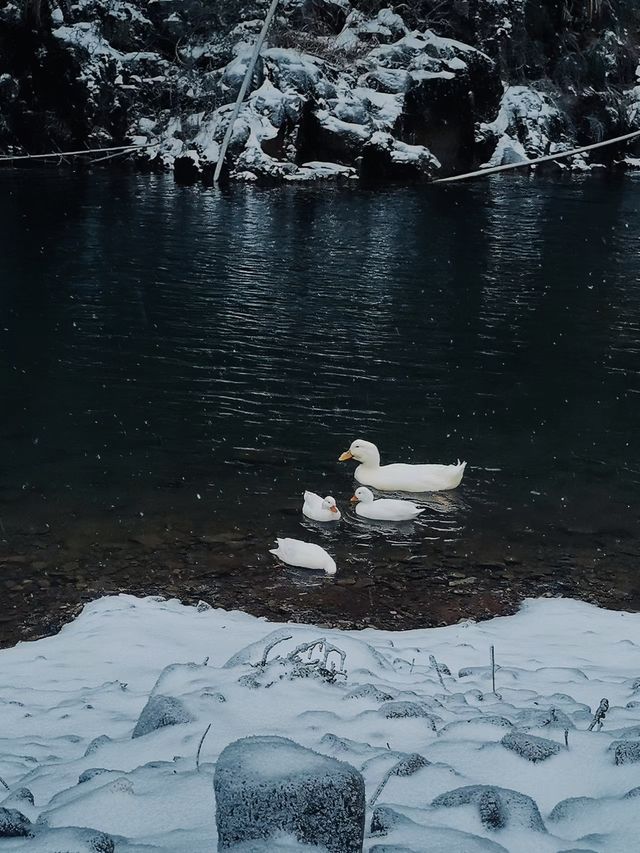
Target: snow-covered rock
[628,752]
[13,823]
[161,711]
[266,786]
[530,747]
[400,92]
[497,807]
[529,124]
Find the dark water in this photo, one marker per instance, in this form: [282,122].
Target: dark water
[177,365]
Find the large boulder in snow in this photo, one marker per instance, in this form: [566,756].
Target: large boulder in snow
[13,823]
[266,786]
[530,747]
[497,807]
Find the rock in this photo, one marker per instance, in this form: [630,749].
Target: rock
[281,845]
[265,786]
[86,775]
[627,752]
[571,807]
[417,838]
[498,807]
[404,710]
[530,747]
[628,733]
[554,718]
[13,824]
[140,70]
[9,89]
[20,795]
[368,691]
[96,744]
[528,123]
[458,726]
[69,840]
[344,745]
[161,711]
[493,813]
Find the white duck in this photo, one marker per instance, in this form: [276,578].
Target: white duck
[305,555]
[320,509]
[383,509]
[400,477]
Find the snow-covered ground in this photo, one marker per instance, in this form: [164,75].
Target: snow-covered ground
[69,705]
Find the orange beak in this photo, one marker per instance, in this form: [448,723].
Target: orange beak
[334,509]
[354,500]
[345,456]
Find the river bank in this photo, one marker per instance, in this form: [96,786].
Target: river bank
[102,743]
[343,90]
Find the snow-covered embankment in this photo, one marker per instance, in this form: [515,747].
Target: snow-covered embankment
[415,708]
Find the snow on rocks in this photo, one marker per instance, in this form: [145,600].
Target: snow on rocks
[529,124]
[161,711]
[427,743]
[141,71]
[530,747]
[627,752]
[266,786]
[497,807]
[13,823]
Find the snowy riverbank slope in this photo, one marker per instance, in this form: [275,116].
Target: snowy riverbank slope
[345,88]
[70,704]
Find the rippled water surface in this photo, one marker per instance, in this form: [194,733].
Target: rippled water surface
[177,365]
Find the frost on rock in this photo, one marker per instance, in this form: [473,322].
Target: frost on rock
[403,834]
[65,840]
[266,786]
[627,752]
[403,710]
[531,747]
[497,807]
[160,711]
[13,823]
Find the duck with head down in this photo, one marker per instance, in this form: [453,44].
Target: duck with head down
[383,509]
[400,477]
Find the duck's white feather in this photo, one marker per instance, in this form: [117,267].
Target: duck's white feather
[401,477]
[389,509]
[313,508]
[305,555]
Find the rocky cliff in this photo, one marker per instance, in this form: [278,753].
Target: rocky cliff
[343,89]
